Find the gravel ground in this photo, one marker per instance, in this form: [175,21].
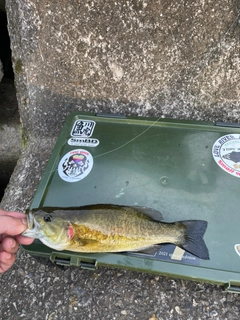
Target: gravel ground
[34,290]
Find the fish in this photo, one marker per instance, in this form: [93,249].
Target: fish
[109,228]
[233,156]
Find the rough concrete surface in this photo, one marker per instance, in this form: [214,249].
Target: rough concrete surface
[162,58]
[159,58]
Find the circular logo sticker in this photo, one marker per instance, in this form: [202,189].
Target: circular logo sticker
[237,248]
[75,165]
[226,153]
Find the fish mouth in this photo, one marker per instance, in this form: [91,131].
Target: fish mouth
[30,220]
[33,226]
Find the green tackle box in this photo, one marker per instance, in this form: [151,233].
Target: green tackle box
[184,169]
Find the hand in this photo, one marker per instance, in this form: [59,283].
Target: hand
[12,224]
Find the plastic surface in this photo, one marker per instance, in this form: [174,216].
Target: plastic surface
[166,165]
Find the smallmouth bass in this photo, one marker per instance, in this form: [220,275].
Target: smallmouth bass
[112,228]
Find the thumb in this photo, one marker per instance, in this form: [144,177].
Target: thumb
[12,226]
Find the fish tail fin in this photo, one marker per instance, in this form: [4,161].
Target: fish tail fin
[193,238]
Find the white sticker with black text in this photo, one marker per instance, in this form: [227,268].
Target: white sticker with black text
[226,153]
[83,142]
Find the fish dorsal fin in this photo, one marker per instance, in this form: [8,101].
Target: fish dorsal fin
[151,213]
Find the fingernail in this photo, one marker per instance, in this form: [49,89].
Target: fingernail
[24,221]
[13,244]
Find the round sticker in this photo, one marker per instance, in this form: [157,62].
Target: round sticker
[237,248]
[226,153]
[75,165]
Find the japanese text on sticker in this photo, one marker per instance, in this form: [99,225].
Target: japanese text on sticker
[83,128]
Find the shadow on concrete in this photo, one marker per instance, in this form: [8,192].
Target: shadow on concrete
[9,116]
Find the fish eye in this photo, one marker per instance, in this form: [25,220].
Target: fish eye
[48,218]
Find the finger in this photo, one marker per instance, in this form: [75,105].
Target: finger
[6,261]
[14,214]
[24,240]
[12,226]
[9,245]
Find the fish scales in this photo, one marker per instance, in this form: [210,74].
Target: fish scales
[122,223]
[124,230]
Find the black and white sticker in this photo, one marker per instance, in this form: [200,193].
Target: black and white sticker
[170,252]
[83,142]
[226,153]
[75,165]
[83,128]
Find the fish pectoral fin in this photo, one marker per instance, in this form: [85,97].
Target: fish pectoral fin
[85,242]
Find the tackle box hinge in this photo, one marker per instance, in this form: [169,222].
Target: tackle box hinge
[227,124]
[233,287]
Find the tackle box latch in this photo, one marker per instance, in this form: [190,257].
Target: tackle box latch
[233,287]
[65,260]
[92,265]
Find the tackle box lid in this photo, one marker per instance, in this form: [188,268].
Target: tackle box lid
[184,169]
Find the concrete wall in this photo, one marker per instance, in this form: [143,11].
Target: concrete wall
[162,58]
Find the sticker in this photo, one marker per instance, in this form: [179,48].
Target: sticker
[75,165]
[83,142]
[226,153]
[178,254]
[237,248]
[170,253]
[83,128]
